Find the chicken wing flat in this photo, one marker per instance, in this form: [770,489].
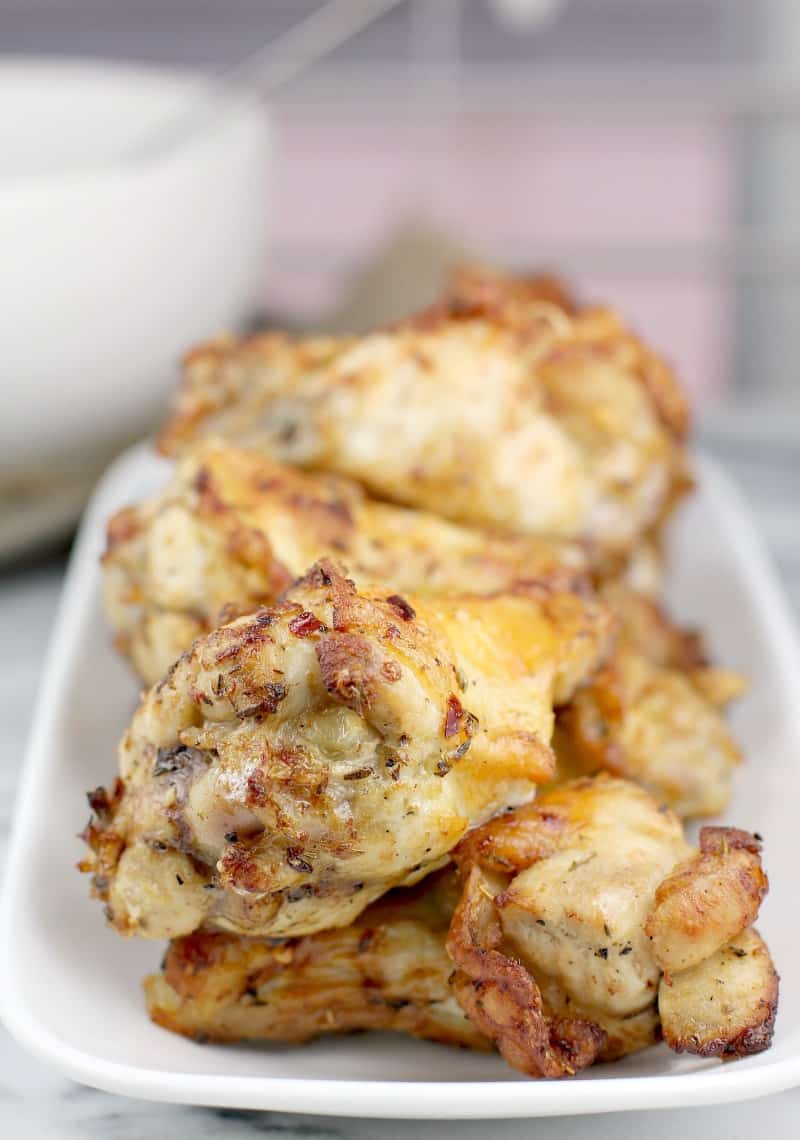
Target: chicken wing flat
[654,712]
[388,970]
[299,762]
[513,298]
[556,977]
[234,527]
[549,424]
[588,926]
[520,301]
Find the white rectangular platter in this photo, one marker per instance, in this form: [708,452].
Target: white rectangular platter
[71,989]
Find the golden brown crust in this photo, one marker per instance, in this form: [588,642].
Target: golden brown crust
[475,287]
[476,292]
[646,627]
[721,840]
[725,1006]
[232,525]
[388,970]
[233,528]
[514,995]
[503,1000]
[299,762]
[518,838]
[99,836]
[521,302]
[654,713]
[392,968]
[211,386]
[556,919]
[519,415]
[708,900]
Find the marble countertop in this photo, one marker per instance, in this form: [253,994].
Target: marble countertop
[37,1103]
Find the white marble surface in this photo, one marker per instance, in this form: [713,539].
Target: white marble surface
[37,1103]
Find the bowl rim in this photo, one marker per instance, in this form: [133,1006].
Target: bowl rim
[243,110]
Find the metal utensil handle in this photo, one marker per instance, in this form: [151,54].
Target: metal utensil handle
[267,68]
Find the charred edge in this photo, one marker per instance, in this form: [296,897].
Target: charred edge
[453,715]
[717,840]
[294,857]
[407,612]
[305,625]
[176,758]
[274,693]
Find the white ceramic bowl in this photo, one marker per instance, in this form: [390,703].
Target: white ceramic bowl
[111,267]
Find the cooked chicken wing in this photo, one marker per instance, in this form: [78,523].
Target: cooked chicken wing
[581,913]
[522,301]
[725,1006]
[515,299]
[654,712]
[388,970]
[558,972]
[299,762]
[234,527]
[549,425]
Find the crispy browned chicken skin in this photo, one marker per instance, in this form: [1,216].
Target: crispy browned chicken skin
[654,712]
[299,762]
[557,977]
[232,528]
[518,301]
[551,421]
[588,926]
[388,970]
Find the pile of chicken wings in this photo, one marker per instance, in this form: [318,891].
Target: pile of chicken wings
[418,736]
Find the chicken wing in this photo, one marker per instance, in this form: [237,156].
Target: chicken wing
[548,425]
[235,528]
[557,977]
[584,912]
[388,970]
[522,301]
[297,763]
[654,712]
[725,1006]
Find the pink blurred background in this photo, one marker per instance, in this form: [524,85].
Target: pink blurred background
[519,185]
[646,149]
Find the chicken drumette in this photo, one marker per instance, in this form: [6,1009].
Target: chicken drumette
[299,762]
[530,417]
[587,928]
[654,712]
[234,528]
[388,970]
